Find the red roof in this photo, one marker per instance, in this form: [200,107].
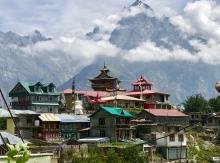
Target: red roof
[98,100]
[88,93]
[142,81]
[145,92]
[166,112]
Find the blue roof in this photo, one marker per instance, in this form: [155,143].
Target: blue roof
[70,118]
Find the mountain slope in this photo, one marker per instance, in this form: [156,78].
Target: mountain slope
[178,77]
[18,62]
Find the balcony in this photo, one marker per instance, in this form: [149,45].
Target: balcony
[124,126]
[21,103]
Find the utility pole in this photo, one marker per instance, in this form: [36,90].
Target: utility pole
[73,95]
[16,128]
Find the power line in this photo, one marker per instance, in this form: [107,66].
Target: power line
[11,115]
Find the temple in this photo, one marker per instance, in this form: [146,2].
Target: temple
[103,82]
[142,89]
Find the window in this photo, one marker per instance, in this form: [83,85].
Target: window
[3,124]
[102,133]
[50,98]
[37,98]
[172,137]
[37,89]
[101,121]
[29,120]
[50,109]
[210,120]
[50,89]
[180,138]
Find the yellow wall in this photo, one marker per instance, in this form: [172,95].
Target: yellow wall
[10,126]
[69,101]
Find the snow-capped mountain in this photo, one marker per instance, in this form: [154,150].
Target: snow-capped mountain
[133,42]
[178,77]
[13,38]
[20,61]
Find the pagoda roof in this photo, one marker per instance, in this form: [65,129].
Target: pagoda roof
[103,74]
[142,81]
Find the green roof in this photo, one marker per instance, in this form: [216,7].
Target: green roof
[117,111]
[29,87]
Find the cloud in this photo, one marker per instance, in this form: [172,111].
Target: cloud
[63,18]
[193,21]
[201,17]
[148,51]
[78,49]
[56,18]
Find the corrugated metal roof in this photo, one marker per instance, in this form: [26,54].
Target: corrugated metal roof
[30,112]
[5,113]
[12,139]
[49,117]
[73,118]
[27,86]
[121,97]
[88,93]
[145,92]
[166,112]
[116,111]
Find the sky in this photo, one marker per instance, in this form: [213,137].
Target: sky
[67,17]
[68,20]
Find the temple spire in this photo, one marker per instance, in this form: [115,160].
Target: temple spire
[104,69]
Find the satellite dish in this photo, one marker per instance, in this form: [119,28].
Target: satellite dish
[217,86]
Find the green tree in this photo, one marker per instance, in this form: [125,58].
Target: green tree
[214,104]
[196,103]
[112,156]
[133,155]
[96,155]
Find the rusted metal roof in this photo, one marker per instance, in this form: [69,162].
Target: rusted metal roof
[49,117]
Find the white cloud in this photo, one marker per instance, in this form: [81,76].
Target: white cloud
[209,52]
[148,51]
[64,18]
[201,17]
[78,49]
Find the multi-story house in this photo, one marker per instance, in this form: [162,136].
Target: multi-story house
[165,116]
[71,125]
[172,144]
[27,122]
[112,122]
[142,89]
[34,96]
[163,129]
[49,129]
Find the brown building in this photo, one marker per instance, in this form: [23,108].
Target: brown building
[111,122]
[49,129]
[165,116]
[103,82]
[83,96]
